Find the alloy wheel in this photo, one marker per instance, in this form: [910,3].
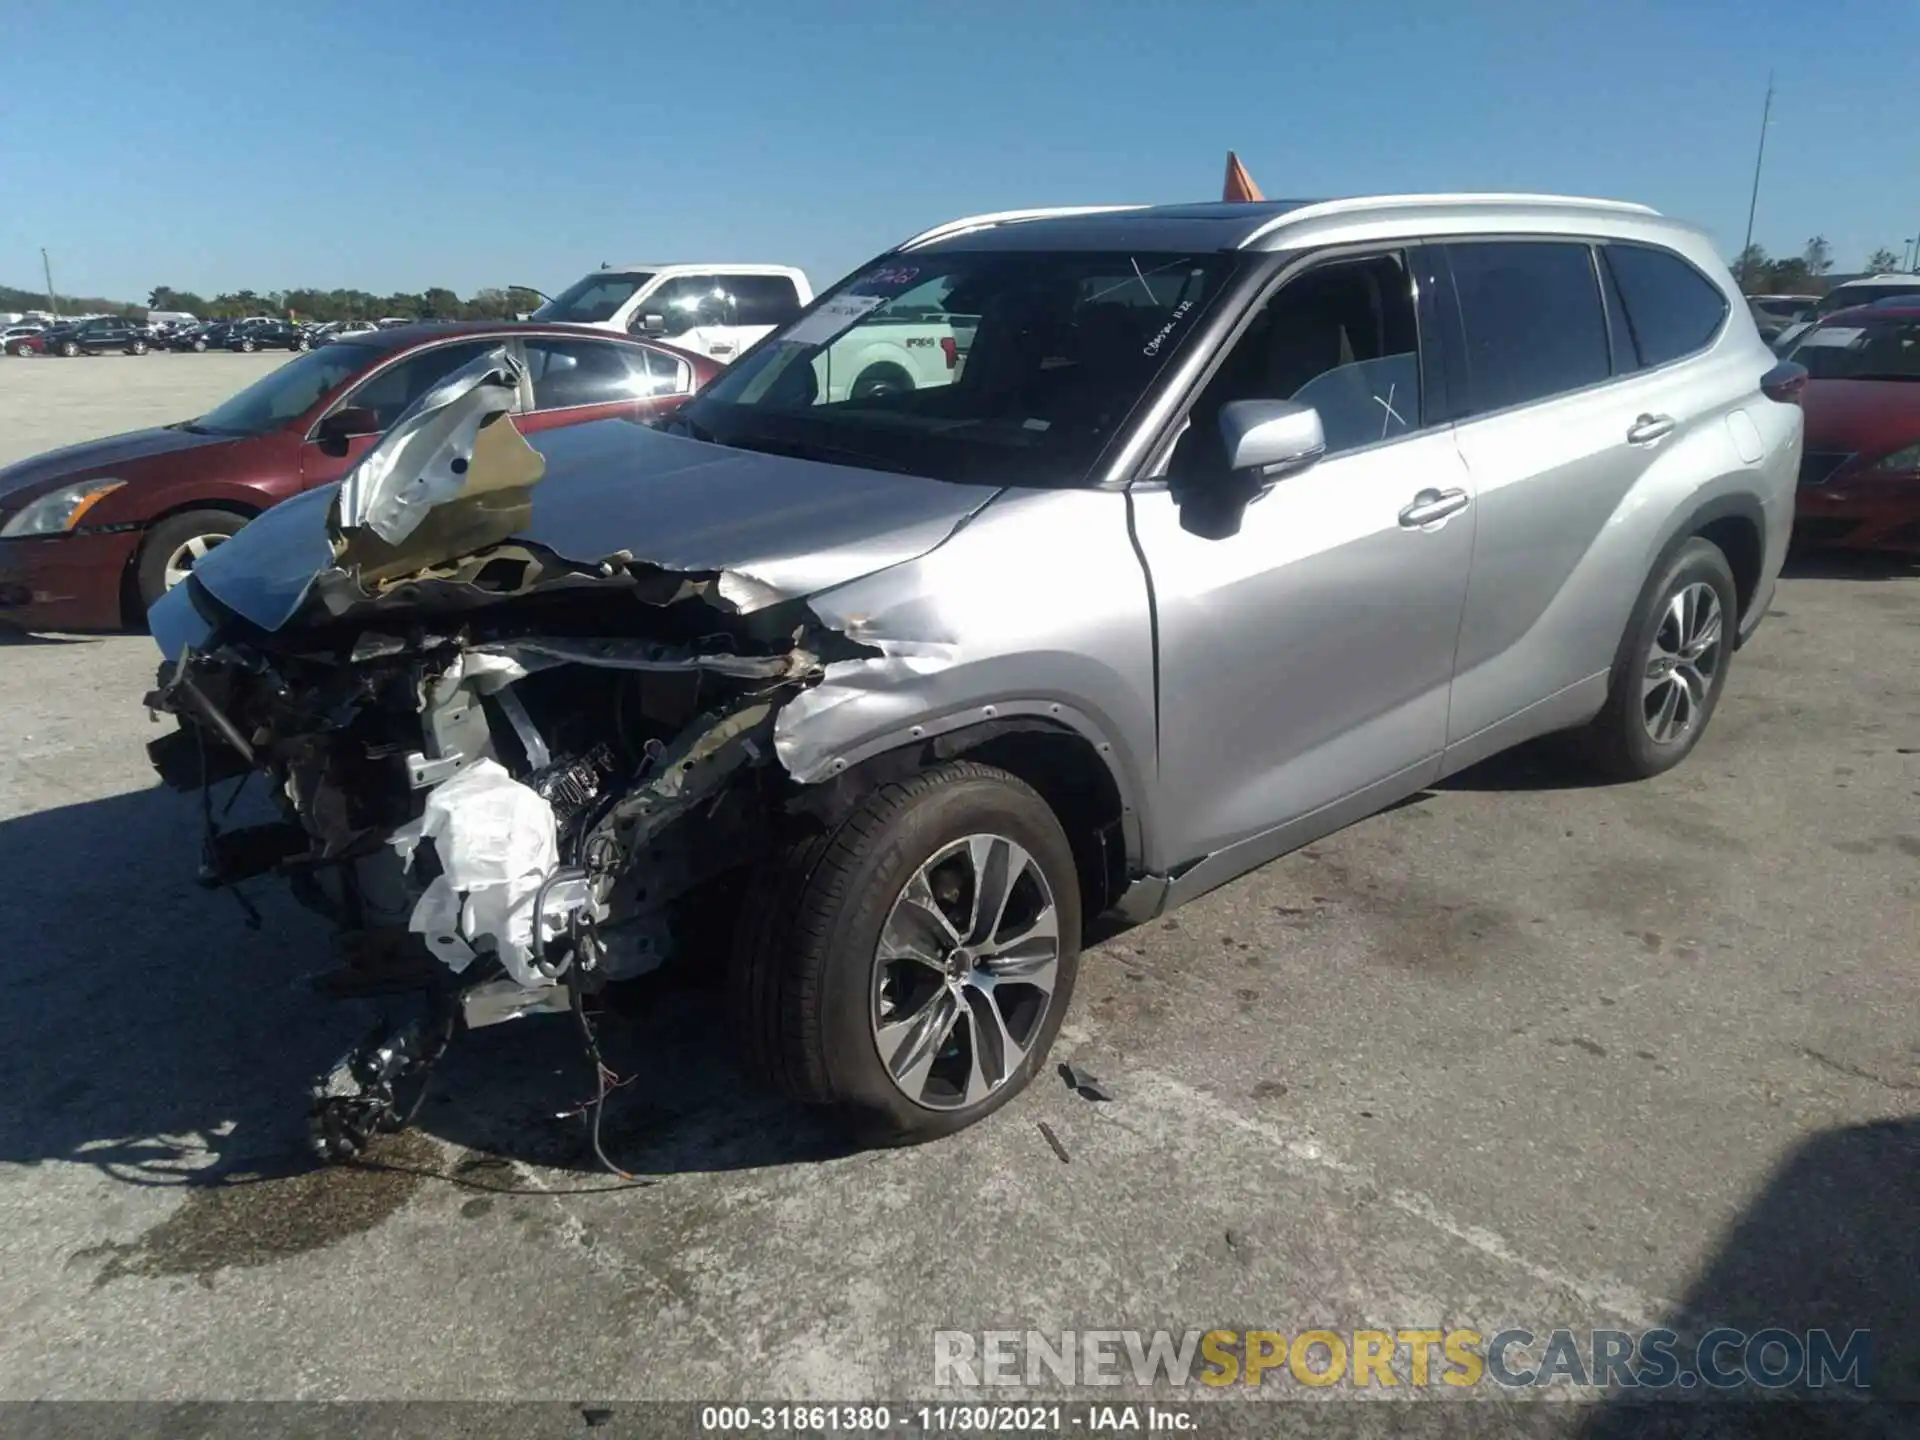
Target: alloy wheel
[1682,662]
[964,974]
[186,555]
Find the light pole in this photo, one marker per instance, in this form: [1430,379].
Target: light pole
[46,269]
[1912,266]
[1754,202]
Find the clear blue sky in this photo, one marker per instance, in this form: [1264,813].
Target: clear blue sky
[392,146]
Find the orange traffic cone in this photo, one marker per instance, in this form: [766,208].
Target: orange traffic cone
[1239,184]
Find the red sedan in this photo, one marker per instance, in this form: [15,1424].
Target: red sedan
[93,534]
[1860,473]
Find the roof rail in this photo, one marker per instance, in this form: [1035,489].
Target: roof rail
[1435,201]
[1003,217]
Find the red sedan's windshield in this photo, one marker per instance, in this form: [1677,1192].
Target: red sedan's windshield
[290,391]
[1858,346]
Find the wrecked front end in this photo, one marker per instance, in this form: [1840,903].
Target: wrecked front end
[505,776]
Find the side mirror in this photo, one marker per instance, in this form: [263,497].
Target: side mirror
[344,425]
[650,325]
[1271,438]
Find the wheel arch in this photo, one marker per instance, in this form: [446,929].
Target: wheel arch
[132,614]
[1069,770]
[1737,524]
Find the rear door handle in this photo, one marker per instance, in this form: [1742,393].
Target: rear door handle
[1430,506]
[1649,428]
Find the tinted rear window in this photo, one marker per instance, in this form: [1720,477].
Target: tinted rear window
[1532,317]
[1674,309]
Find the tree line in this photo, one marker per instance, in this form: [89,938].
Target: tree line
[432,304]
[1804,274]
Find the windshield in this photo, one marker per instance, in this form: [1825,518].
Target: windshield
[1857,349]
[290,391]
[1009,367]
[596,299]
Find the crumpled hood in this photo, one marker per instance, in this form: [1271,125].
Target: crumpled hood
[73,462]
[773,527]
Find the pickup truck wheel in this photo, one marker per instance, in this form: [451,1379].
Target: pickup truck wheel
[1670,668]
[878,380]
[911,966]
[176,545]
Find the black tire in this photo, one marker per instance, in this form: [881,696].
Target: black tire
[878,380]
[20,348]
[139,347]
[150,571]
[1618,741]
[301,344]
[199,347]
[803,968]
[69,349]
[247,347]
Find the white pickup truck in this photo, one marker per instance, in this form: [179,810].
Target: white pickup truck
[712,310]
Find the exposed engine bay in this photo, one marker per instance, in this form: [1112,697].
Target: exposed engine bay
[506,778]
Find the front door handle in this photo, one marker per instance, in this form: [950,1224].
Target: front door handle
[1430,506]
[1649,428]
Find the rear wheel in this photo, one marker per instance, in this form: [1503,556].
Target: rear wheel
[878,380]
[911,967]
[69,348]
[199,346]
[247,347]
[1670,668]
[20,347]
[139,347]
[176,545]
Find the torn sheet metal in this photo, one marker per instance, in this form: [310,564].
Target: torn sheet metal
[496,842]
[428,456]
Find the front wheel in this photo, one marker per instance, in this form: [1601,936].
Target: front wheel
[176,545]
[199,347]
[1670,668]
[69,349]
[878,380]
[139,347]
[247,347]
[911,967]
[20,348]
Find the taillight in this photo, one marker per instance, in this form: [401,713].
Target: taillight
[1784,382]
[950,347]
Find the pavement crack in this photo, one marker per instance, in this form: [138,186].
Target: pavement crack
[1844,1067]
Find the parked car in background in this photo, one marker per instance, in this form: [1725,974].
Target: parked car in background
[1864,291]
[102,335]
[1860,476]
[92,534]
[337,330]
[269,335]
[394,322]
[172,318]
[209,336]
[713,310]
[1787,309]
[22,339]
[1197,558]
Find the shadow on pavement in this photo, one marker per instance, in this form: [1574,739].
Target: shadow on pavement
[1829,1244]
[1812,564]
[149,1032]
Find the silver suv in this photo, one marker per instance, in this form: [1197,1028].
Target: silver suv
[1215,528]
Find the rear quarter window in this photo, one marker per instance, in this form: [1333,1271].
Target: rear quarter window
[1672,309]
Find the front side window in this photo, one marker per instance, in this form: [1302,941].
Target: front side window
[389,393]
[1531,313]
[1005,367]
[569,373]
[688,302]
[287,392]
[1672,308]
[1851,348]
[1342,338]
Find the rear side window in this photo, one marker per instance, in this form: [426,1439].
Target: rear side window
[1672,308]
[1532,318]
[762,299]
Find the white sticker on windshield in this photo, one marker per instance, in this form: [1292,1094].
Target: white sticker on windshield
[1834,336]
[831,318]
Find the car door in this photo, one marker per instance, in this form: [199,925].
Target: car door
[1558,420]
[1306,641]
[575,380]
[387,391]
[761,304]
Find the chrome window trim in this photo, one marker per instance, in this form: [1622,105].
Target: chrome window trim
[492,342]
